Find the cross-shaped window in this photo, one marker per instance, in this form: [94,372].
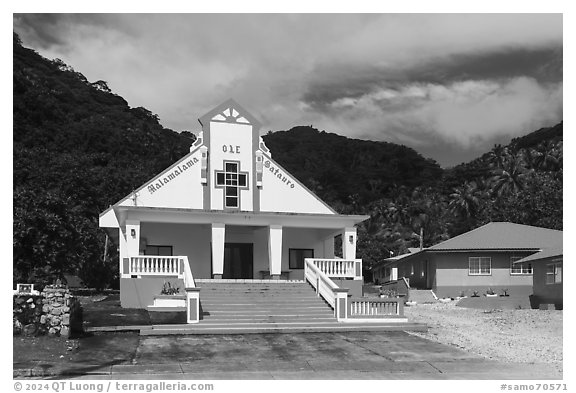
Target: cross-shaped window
[231,180]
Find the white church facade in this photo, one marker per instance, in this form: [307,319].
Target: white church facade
[227,212]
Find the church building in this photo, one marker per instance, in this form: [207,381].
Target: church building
[227,213]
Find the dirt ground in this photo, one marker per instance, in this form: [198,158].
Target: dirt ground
[524,336]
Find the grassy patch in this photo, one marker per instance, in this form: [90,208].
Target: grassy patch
[105,310]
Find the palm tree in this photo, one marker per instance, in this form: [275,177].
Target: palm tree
[547,156]
[511,178]
[464,201]
[498,155]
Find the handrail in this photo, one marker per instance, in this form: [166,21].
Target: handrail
[340,268]
[187,273]
[375,307]
[153,265]
[320,281]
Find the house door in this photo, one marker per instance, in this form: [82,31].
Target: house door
[430,274]
[238,260]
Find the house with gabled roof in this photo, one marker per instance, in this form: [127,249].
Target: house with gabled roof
[491,256]
[547,286]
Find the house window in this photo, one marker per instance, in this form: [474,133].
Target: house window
[232,181]
[479,266]
[159,250]
[297,256]
[519,268]
[554,273]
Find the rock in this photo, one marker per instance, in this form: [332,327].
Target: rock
[65,331]
[52,331]
[17,326]
[30,329]
[55,321]
[66,319]
[32,305]
[30,300]
[56,311]
[49,295]
[66,309]
[45,308]
[43,319]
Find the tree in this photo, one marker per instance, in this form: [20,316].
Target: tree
[464,201]
[510,178]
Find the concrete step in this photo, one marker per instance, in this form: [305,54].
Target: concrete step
[275,296]
[166,308]
[268,318]
[257,291]
[256,307]
[422,296]
[205,328]
[232,313]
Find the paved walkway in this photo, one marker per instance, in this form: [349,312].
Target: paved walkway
[355,355]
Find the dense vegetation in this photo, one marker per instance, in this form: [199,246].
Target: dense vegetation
[345,171]
[79,148]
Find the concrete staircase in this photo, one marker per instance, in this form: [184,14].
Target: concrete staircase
[421,296]
[273,307]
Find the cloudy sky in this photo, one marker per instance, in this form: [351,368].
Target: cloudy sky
[448,85]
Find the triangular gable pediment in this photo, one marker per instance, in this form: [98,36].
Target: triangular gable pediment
[282,192]
[230,112]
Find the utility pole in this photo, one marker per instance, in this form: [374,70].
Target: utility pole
[421,238]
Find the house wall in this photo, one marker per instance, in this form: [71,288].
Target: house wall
[140,292]
[190,240]
[301,238]
[194,241]
[177,186]
[452,276]
[546,293]
[415,271]
[281,192]
[230,142]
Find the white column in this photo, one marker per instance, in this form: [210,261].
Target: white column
[124,258]
[218,235]
[133,238]
[349,243]
[275,250]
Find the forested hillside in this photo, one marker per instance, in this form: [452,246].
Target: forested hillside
[78,148]
[345,171]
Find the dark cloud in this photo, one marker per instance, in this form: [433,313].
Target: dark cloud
[543,64]
[42,30]
[334,82]
[419,79]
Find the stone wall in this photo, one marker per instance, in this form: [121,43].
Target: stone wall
[55,312]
